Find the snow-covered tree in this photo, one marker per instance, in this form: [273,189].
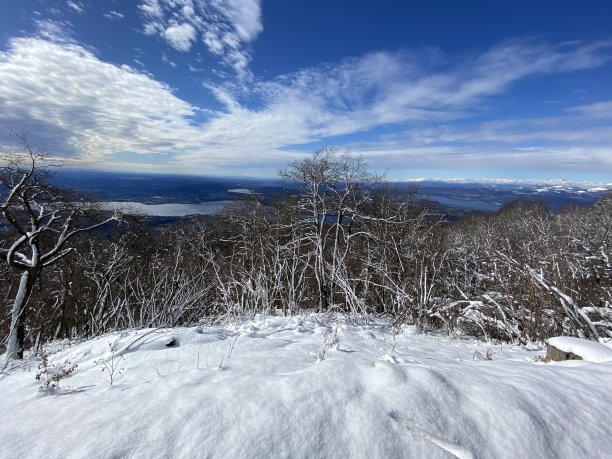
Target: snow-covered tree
[335,186]
[42,224]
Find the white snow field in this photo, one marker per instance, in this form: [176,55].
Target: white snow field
[279,395]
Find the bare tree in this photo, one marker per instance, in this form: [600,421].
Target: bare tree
[334,187]
[43,224]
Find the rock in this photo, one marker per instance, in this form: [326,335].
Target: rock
[552,353]
[572,348]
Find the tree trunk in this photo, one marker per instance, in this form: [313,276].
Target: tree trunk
[14,349]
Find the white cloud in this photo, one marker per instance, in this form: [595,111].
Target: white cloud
[76,6]
[225,27]
[394,88]
[113,15]
[168,61]
[85,106]
[508,160]
[180,36]
[552,130]
[152,10]
[54,30]
[94,110]
[245,15]
[598,110]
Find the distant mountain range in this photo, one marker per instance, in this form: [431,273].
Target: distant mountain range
[515,181]
[453,196]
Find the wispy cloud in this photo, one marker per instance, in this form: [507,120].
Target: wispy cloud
[401,159]
[382,88]
[597,110]
[551,130]
[504,147]
[225,27]
[54,30]
[76,6]
[95,110]
[113,15]
[166,60]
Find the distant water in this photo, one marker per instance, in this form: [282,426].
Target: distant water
[214,207]
[167,210]
[465,204]
[208,195]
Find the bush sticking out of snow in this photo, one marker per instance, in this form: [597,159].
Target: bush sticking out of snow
[389,348]
[230,350]
[111,367]
[486,355]
[331,341]
[50,374]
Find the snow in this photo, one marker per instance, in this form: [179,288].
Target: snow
[590,351]
[272,387]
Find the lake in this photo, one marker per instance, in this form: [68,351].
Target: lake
[471,204]
[167,210]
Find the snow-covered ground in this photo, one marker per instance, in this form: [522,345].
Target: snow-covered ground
[267,388]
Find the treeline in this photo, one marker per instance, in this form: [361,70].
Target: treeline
[344,243]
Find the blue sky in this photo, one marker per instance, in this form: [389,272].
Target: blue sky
[469,89]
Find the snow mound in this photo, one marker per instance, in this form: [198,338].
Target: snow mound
[152,341]
[254,390]
[591,351]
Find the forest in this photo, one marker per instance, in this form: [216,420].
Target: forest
[346,242]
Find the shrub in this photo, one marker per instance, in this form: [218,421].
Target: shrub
[111,367]
[50,374]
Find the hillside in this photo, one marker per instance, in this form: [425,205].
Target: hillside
[303,387]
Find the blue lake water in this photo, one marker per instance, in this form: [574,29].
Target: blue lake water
[167,210]
[465,204]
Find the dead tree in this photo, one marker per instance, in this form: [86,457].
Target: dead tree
[332,186]
[43,224]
